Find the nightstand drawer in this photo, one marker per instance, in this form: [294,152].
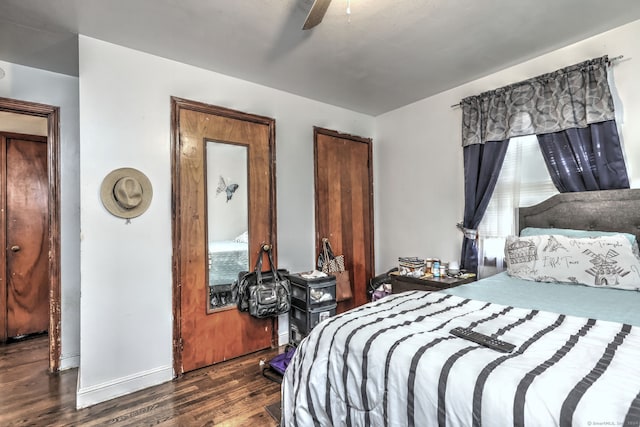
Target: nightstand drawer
[406,283]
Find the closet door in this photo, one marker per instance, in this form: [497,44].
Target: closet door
[344,205]
[223,160]
[25,285]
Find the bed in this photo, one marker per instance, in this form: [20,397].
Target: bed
[226,259]
[394,362]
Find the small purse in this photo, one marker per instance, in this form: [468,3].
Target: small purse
[327,261]
[332,264]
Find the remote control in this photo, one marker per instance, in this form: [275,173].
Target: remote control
[482,339]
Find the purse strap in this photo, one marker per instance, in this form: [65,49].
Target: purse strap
[266,248]
[274,270]
[258,266]
[326,248]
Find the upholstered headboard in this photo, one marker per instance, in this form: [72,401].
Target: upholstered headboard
[608,210]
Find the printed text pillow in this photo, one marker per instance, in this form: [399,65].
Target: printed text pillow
[594,261]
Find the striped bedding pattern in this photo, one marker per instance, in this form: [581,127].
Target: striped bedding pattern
[394,363]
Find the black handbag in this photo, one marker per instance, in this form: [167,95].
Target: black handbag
[264,293]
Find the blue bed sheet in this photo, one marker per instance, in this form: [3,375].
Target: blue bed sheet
[614,305]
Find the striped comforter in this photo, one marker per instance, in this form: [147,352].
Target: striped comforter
[394,363]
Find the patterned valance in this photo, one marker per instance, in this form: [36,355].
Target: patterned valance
[572,97]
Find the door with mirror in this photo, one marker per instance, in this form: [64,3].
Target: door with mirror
[224,209]
[227,219]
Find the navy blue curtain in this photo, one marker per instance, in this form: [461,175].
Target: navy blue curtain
[482,164]
[585,159]
[571,110]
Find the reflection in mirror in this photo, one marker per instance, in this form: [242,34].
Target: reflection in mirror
[227,219]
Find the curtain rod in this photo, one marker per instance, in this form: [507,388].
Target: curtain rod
[611,61]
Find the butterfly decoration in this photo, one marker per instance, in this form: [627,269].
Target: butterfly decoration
[229,189]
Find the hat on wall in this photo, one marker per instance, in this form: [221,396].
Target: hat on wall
[126,192]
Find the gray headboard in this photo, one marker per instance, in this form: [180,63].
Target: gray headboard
[608,210]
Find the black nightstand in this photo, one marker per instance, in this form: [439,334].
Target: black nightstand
[406,283]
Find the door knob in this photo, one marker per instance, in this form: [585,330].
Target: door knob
[15,248]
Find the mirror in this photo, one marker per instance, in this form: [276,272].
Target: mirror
[227,219]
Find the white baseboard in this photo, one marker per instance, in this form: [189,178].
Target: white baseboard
[69,362]
[283,329]
[119,387]
[283,338]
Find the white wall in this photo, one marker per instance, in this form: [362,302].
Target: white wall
[126,337]
[30,84]
[418,164]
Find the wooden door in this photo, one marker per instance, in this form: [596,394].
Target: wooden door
[344,205]
[25,235]
[203,336]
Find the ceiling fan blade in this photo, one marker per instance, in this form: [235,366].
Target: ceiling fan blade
[316,13]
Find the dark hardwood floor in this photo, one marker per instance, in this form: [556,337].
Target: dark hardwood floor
[232,393]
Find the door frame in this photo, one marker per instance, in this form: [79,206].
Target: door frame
[52,114]
[178,104]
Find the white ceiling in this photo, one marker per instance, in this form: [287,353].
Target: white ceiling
[387,54]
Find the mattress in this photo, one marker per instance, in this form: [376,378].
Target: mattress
[395,363]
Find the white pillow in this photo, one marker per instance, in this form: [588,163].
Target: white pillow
[242,238]
[605,261]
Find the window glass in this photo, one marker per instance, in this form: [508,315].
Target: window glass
[523,181]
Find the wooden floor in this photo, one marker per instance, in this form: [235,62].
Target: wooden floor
[232,393]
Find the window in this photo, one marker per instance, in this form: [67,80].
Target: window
[523,181]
